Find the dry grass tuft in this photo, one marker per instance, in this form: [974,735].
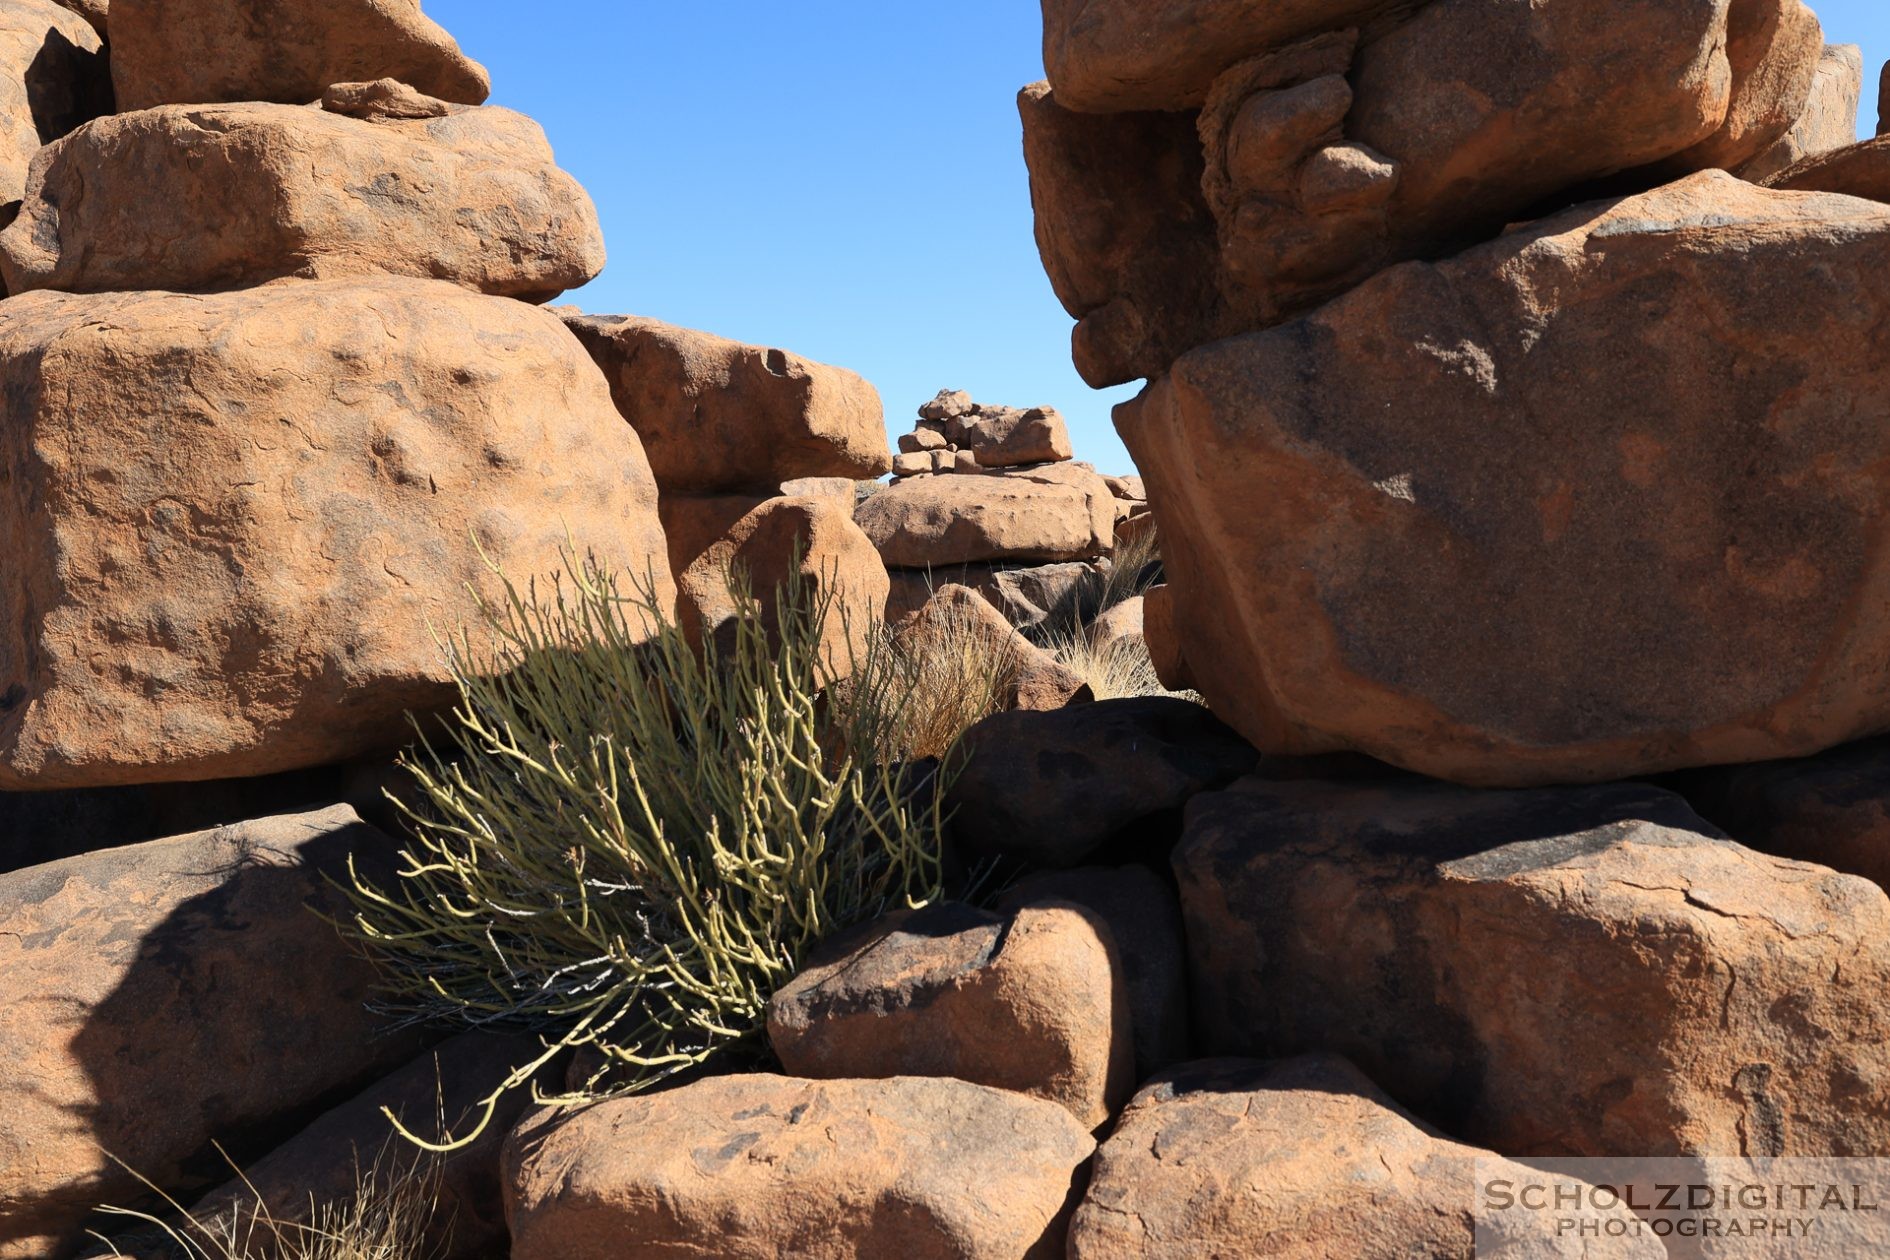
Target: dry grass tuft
[931,684]
[390,1217]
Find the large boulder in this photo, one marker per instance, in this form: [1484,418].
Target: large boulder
[1675,576]
[1830,118]
[1214,1156]
[1321,155]
[757,1167]
[809,543]
[1049,514]
[1695,997]
[718,416]
[1034,1001]
[237,523]
[1144,920]
[1055,789]
[225,196]
[200,52]
[167,996]
[53,77]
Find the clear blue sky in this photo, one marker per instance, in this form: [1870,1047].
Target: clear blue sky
[843,178]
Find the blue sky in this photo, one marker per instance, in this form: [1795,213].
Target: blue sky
[842,178]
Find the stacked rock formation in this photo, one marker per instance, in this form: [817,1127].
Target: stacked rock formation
[992,498]
[1580,500]
[281,395]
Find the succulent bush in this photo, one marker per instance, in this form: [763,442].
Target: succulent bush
[634,841]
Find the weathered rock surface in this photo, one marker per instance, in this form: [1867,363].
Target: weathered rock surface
[1118,628]
[1856,170]
[1700,998]
[1035,1001]
[1028,677]
[1217,1155]
[1163,638]
[93,11]
[809,542]
[326,1163]
[1144,920]
[53,77]
[1007,437]
[223,196]
[1830,118]
[1053,513]
[756,1167]
[717,416]
[1832,809]
[235,521]
[1676,578]
[1054,789]
[1027,596]
[1320,157]
[1125,234]
[41,827]
[162,997]
[200,52]
[693,523]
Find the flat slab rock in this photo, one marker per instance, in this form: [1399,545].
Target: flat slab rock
[759,1167]
[1675,575]
[718,416]
[1035,1000]
[200,52]
[1213,1157]
[206,197]
[1579,972]
[235,522]
[161,997]
[1047,514]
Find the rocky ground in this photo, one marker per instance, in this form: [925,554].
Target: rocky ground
[1515,396]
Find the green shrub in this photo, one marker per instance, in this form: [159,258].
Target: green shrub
[635,843]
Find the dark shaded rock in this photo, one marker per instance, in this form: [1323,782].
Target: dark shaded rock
[1574,972]
[164,997]
[1053,789]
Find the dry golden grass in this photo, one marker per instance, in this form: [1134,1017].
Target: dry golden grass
[931,684]
[390,1217]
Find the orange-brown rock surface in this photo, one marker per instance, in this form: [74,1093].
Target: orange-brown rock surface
[809,542]
[1519,529]
[718,416]
[760,1167]
[236,523]
[222,196]
[53,77]
[1572,972]
[1215,1156]
[162,997]
[1830,118]
[1035,1001]
[200,52]
[1046,514]
[93,11]
[1334,139]
[958,619]
[1856,170]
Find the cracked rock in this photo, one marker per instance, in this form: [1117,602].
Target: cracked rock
[1577,972]
[1213,1156]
